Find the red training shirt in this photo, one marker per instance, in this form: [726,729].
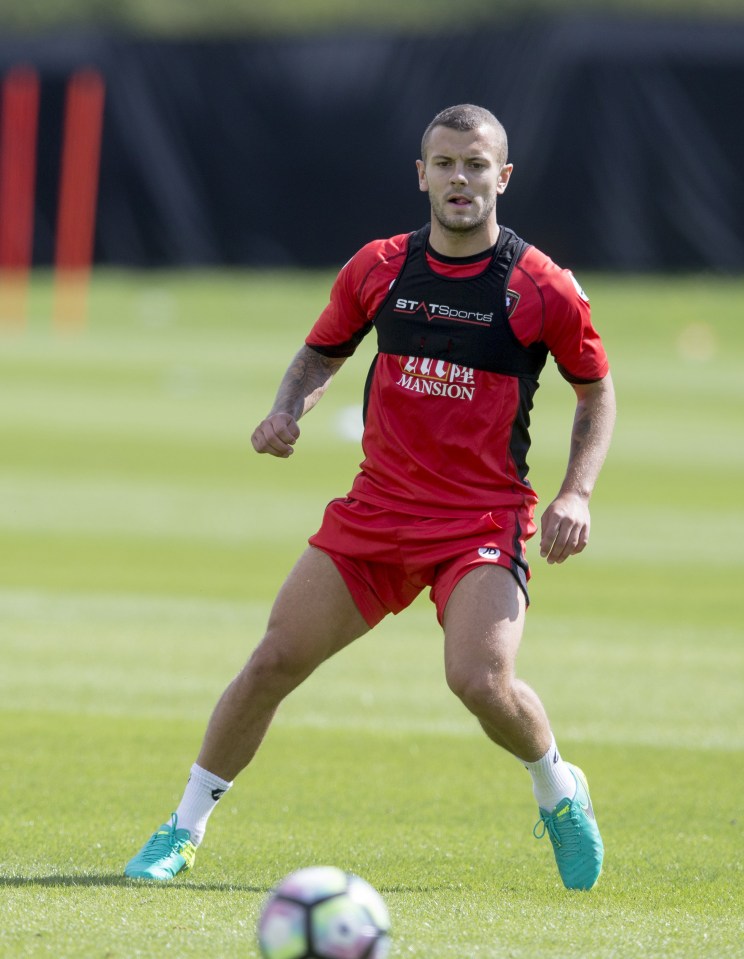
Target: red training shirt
[438,438]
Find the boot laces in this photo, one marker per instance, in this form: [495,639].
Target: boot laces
[162,843]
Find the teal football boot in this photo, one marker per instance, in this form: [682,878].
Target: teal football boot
[166,853]
[575,836]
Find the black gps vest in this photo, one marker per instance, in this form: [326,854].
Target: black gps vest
[461,321]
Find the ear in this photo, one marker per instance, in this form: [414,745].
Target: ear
[503,182]
[423,184]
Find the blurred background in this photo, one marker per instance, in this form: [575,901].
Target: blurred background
[284,132]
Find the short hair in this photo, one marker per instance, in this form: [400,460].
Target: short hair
[468,116]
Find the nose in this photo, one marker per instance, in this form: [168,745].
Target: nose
[458,174]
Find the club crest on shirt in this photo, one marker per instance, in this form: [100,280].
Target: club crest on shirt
[419,374]
[511,301]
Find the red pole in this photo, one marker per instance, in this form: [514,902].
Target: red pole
[18,126]
[78,194]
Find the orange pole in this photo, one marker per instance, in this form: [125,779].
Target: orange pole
[18,133]
[78,196]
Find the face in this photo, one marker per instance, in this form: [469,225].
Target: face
[463,175]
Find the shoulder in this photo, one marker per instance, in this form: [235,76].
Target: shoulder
[380,250]
[554,295]
[357,292]
[368,274]
[555,285]
[375,255]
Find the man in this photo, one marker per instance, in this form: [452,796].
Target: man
[465,315]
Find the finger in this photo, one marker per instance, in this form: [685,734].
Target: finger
[266,440]
[288,435]
[257,439]
[293,431]
[572,543]
[555,550]
[563,547]
[548,541]
[583,540]
[281,432]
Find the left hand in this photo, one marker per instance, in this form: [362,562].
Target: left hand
[564,527]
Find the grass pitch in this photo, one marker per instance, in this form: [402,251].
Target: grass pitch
[141,543]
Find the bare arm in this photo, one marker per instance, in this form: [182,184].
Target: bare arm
[566,521]
[306,380]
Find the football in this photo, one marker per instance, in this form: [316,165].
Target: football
[324,913]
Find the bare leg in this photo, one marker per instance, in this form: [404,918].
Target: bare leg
[313,617]
[483,624]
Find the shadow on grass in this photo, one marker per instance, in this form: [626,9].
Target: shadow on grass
[119,880]
[114,879]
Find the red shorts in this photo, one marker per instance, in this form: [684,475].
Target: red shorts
[387,558]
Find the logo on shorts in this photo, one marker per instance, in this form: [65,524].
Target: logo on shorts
[489,552]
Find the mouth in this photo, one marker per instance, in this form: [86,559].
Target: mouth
[459,199]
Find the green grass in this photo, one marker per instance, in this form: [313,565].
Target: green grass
[290,17]
[141,543]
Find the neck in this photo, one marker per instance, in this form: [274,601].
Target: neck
[463,243]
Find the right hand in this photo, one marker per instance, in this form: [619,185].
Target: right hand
[276,435]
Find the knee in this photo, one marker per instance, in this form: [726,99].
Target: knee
[274,668]
[482,691]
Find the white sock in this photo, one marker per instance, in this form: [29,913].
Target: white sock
[203,791]
[552,780]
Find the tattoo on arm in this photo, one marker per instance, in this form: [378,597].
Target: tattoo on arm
[590,436]
[305,381]
[582,429]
